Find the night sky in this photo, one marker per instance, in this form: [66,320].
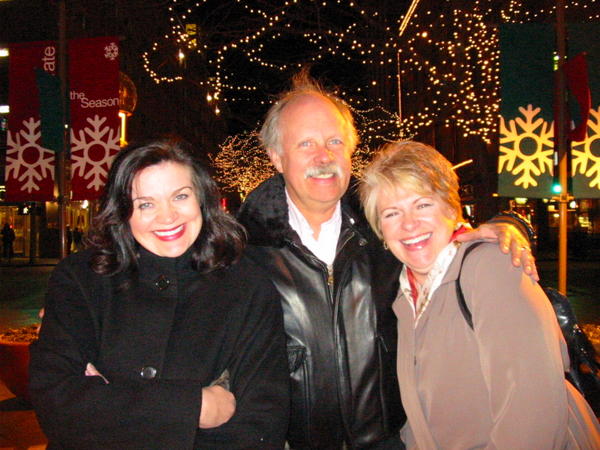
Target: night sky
[181,107]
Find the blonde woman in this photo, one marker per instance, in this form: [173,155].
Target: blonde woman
[499,384]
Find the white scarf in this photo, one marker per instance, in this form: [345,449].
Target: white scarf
[432,282]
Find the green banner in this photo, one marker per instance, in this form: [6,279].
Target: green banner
[50,110]
[525,161]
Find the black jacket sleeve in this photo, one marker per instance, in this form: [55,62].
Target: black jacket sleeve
[77,411]
[516,219]
[259,376]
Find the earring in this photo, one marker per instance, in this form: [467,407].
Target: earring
[385,245]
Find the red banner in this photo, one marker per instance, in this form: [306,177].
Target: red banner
[94,100]
[29,166]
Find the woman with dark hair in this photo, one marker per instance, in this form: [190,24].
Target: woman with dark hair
[161,334]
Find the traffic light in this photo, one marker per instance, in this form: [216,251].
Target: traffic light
[556,187]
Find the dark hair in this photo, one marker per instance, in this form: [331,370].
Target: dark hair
[221,239]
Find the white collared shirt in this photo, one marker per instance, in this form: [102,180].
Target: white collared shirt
[324,247]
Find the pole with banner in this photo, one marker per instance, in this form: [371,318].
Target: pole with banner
[61,176]
[94,107]
[43,133]
[537,137]
[561,145]
[29,164]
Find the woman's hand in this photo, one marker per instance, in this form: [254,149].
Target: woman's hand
[218,406]
[91,371]
[510,239]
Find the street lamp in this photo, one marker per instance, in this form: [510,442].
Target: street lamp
[127,103]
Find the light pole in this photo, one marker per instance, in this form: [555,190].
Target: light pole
[61,155]
[561,145]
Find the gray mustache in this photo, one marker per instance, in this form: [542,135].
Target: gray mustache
[326,169]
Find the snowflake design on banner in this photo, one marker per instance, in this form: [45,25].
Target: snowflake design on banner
[584,161]
[516,156]
[111,51]
[97,136]
[24,151]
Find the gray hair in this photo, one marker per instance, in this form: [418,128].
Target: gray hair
[302,84]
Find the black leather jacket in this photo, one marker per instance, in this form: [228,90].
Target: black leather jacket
[341,331]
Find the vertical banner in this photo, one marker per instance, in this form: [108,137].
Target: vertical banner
[94,101]
[525,162]
[585,153]
[51,111]
[29,166]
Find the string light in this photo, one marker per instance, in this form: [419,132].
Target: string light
[270,26]
[460,84]
[450,47]
[242,163]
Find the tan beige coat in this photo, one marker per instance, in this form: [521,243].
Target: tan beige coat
[499,386]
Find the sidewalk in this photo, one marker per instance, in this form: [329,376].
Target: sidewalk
[21,294]
[22,291]
[19,428]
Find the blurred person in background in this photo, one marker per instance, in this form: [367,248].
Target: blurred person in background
[8,239]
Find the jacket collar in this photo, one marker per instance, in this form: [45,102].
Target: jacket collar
[265,213]
[152,263]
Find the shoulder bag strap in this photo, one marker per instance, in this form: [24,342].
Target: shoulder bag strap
[459,294]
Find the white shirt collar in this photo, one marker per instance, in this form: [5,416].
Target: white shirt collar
[323,248]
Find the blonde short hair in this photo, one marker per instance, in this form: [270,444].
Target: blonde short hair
[410,165]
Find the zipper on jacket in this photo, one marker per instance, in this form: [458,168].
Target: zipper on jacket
[330,278]
[331,294]
[344,385]
[326,270]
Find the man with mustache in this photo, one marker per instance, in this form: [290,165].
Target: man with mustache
[336,280]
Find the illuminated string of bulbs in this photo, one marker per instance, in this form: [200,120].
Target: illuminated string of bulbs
[253,44]
[461,84]
[587,6]
[242,163]
[455,91]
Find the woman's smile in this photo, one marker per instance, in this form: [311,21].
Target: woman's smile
[418,242]
[172,234]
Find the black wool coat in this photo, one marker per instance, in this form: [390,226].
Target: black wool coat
[158,342]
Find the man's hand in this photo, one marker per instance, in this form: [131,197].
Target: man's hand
[510,239]
[218,406]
